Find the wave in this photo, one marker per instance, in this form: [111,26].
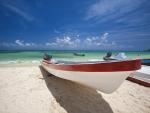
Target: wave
[20,62]
[94,60]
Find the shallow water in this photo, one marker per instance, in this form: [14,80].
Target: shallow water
[34,57]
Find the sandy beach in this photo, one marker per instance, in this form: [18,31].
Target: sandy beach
[30,89]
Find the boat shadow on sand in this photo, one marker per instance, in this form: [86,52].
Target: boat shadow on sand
[73,97]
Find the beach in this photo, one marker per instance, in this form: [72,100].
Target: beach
[74,56]
[30,89]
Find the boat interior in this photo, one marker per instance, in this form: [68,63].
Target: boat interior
[83,62]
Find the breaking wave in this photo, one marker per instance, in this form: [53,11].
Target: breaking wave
[20,62]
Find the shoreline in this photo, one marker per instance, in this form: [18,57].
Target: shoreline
[20,64]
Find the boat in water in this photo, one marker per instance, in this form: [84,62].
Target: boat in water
[105,76]
[78,54]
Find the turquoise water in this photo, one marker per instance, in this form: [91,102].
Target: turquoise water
[13,57]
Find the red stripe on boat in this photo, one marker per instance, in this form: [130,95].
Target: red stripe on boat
[98,67]
[139,81]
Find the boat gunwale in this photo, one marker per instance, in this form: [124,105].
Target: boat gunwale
[92,62]
[97,67]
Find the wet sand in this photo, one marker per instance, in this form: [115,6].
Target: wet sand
[30,89]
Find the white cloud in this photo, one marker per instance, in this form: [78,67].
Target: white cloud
[77,41]
[56,31]
[51,44]
[101,40]
[29,44]
[19,42]
[47,44]
[90,42]
[104,36]
[18,11]
[24,44]
[104,10]
[65,41]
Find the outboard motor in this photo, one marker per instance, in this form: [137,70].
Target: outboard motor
[108,56]
[47,57]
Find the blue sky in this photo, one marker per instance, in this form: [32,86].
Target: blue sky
[75,24]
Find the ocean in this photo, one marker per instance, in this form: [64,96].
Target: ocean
[34,57]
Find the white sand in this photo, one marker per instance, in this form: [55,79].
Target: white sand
[26,89]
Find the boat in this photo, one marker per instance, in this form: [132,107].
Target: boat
[146,61]
[78,54]
[141,76]
[105,76]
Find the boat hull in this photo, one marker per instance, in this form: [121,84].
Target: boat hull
[106,82]
[146,62]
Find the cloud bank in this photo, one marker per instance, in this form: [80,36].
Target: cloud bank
[105,10]
[68,42]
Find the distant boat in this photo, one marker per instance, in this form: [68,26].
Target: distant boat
[79,54]
[146,61]
[105,76]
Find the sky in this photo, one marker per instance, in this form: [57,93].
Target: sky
[75,24]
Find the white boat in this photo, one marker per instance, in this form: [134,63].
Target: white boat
[105,76]
[141,76]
